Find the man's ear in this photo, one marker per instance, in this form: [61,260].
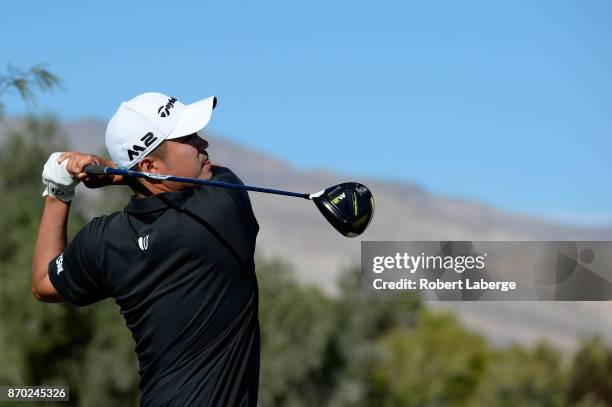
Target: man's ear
[150,164]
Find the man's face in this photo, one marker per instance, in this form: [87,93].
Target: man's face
[187,157]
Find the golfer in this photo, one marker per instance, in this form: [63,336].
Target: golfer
[178,260]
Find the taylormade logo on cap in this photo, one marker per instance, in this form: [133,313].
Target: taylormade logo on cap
[142,123]
[164,111]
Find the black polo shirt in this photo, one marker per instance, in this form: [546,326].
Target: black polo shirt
[180,266]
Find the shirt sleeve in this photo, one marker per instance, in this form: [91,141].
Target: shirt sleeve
[225,175]
[77,273]
[240,198]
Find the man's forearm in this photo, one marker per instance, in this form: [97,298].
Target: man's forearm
[50,242]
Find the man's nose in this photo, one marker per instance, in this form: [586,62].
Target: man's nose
[200,144]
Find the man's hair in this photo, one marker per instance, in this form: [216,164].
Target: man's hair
[159,152]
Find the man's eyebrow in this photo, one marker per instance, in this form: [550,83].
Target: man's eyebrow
[183,138]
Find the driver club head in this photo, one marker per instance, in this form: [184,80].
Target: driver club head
[349,207]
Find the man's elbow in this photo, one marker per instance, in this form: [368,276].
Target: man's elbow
[35,283]
[42,297]
[39,295]
[44,292]
[36,294]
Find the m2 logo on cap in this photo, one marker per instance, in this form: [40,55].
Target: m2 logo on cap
[165,110]
[148,139]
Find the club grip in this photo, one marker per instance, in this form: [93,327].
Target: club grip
[95,169]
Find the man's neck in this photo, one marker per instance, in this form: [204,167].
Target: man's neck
[148,189]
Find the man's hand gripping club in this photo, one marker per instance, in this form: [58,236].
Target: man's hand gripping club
[64,170]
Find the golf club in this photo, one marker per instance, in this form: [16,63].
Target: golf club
[349,206]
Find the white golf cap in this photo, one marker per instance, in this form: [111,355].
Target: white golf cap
[142,123]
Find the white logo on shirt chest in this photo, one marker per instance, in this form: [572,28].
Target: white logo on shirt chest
[143,242]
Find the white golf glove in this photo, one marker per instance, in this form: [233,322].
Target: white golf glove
[58,181]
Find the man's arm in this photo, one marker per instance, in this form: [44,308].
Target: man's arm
[50,242]
[52,236]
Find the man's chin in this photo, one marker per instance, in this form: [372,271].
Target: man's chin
[206,172]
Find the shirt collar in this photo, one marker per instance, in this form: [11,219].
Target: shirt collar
[157,202]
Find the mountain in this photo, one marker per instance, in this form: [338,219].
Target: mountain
[293,229]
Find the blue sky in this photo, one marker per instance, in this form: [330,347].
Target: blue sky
[508,103]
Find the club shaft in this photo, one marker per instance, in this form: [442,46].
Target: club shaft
[99,169]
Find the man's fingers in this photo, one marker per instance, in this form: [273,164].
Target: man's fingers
[62,157]
[65,156]
[77,162]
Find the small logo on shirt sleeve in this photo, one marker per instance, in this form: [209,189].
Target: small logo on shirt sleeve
[59,263]
[143,242]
